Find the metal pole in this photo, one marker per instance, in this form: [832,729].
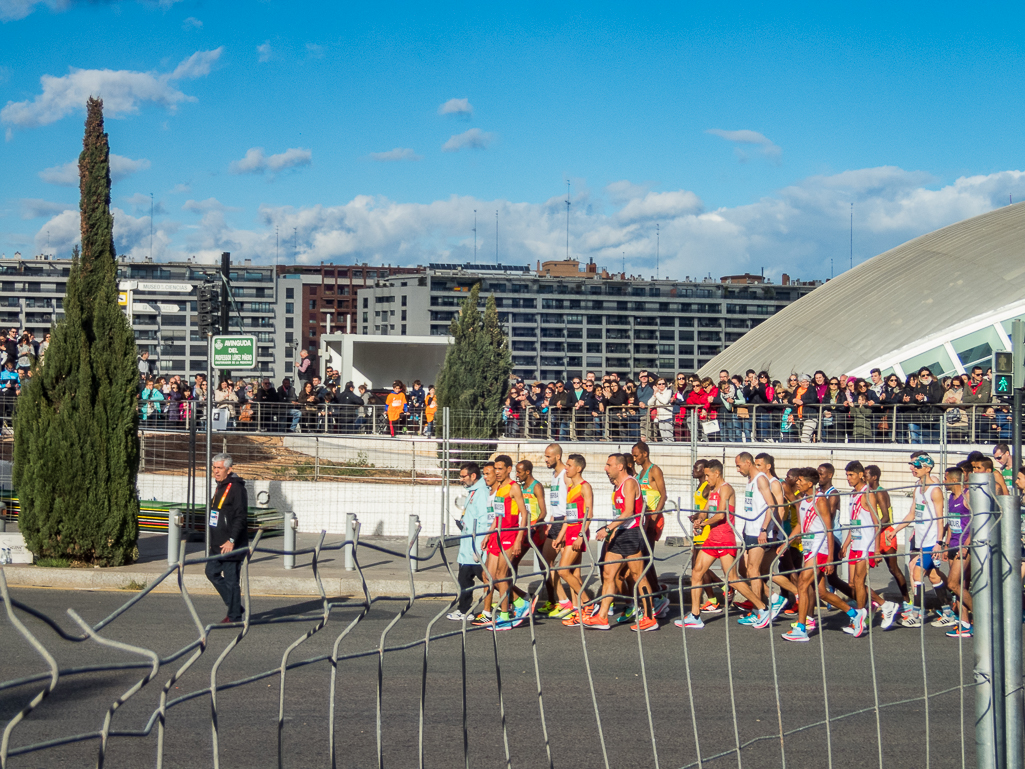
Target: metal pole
[982,490]
[414,541]
[291,523]
[350,527]
[225,279]
[209,463]
[174,535]
[1010,535]
[1017,355]
[1016,433]
[446,453]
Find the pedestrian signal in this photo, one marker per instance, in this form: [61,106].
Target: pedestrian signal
[1003,373]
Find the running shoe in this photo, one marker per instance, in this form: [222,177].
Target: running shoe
[662,604]
[912,620]
[711,606]
[744,605]
[573,620]
[561,610]
[484,618]
[889,615]
[458,616]
[812,624]
[627,615]
[961,631]
[504,621]
[859,626]
[645,624]
[546,608]
[748,618]
[595,622]
[945,620]
[689,620]
[762,619]
[778,602]
[797,633]
[790,611]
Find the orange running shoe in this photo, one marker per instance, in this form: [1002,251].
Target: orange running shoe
[646,623]
[595,622]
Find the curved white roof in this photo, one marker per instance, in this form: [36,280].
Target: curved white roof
[967,276]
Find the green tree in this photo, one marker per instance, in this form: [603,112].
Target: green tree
[76,443]
[474,379]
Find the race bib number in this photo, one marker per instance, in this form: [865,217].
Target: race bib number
[920,512]
[214,514]
[491,512]
[808,537]
[553,497]
[855,522]
[955,525]
[749,498]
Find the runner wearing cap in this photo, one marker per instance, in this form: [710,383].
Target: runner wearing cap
[927,513]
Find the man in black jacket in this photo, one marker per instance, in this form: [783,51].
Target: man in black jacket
[928,391]
[229,531]
[266,397]
[350,403]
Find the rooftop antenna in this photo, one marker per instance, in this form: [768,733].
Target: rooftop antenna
[475,236]
[496,238]
[567,218]
[852,236]
[277,243]
[151,225]
[295,242]
[624,264]
[656,250]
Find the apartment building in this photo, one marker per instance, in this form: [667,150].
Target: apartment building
[564,318]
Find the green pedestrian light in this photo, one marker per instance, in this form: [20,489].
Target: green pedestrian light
[1003,373]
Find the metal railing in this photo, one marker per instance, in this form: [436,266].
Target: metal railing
[767,729]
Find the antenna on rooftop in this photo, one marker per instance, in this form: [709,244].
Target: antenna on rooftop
[656,250]
[151,225]
[496,238]
[567,218]
[475,236]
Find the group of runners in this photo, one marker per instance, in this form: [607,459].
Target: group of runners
[783,533]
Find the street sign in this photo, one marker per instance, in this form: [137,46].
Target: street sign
[122,298]
[1003,373]
[234,352]
[170,288]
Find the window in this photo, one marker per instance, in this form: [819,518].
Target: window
[366,303]
[365,316]
[976,348]
[403,329]
[289,307]
[313,304]
[574,333]
[289,293]
[313,332]
[594,333]
[403,314]
[403,298]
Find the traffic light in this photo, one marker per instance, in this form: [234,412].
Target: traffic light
[1003,373]
[208,303]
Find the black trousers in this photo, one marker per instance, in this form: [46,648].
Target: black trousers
[468,572]
[227,585]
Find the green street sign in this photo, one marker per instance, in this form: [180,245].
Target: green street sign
[234,352]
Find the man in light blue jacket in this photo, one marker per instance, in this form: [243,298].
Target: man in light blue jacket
[478,515]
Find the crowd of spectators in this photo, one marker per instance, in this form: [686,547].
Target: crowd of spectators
[18,352]
[308,405]
[752,406]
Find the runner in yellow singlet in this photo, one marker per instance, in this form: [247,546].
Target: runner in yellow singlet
[653,491]
[534,496]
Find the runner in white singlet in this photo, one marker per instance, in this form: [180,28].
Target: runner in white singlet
[558,603]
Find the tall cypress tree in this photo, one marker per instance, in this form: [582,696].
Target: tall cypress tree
[474,379]
[76,443]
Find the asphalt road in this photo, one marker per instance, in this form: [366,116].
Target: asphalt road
[248,715]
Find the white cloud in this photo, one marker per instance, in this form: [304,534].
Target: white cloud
[264,52]
[745,136]
[660,205]
[12,10]
[456,107]
[140,203]
[472,139]
[625,190]
[315,51]
[203,206]
[33,208]
[66,175]
[180,189]
[192,23]
[255,162]
[122,91]
[399,153]
[796,230]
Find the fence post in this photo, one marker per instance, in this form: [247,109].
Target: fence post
[446,451]
[174,535]
[985,540]
[893,426]
[1010,535]
[413,541]
[290,525]
[142,451]
[316,458]
[350,527]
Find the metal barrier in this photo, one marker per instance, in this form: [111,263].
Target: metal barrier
[996,689]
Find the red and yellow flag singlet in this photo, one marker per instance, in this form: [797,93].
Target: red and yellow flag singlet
[506,506]
[575,511]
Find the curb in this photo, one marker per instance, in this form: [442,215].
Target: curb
[197,584]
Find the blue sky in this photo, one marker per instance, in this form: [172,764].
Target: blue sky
[372,134]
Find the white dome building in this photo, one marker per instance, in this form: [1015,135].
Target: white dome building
[943,300]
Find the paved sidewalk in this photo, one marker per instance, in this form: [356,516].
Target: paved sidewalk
[386,574]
